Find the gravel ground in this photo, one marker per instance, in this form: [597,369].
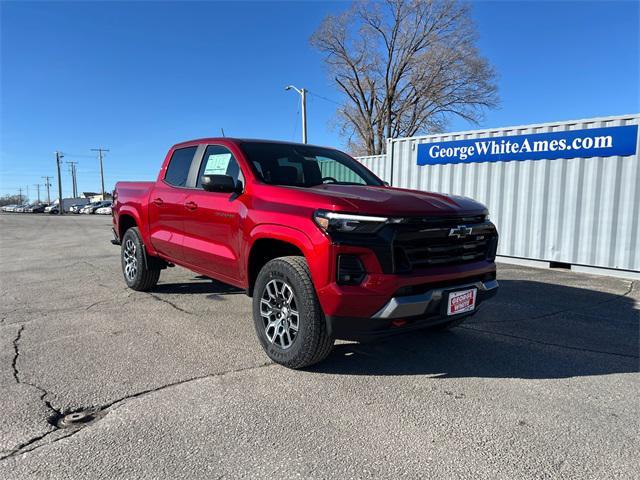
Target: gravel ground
[543,382]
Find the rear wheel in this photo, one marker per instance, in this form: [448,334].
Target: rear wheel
[134,267]
[287,316]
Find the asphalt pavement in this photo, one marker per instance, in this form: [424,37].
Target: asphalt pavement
[542,383]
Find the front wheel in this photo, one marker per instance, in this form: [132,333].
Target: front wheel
[287,316]
[134,268]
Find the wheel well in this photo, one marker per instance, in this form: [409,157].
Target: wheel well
[125,222]
[264,250]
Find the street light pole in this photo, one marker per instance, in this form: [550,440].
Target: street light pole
[303,94]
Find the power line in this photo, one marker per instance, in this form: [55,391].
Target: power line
[322,97]
[80,155]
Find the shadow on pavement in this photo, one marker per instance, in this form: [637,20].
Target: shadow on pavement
[211,287]
[530,330]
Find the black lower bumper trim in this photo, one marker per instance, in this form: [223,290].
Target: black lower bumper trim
[359,329]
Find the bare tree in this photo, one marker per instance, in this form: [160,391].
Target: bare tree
[405,66]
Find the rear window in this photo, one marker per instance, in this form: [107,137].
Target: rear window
[179,165]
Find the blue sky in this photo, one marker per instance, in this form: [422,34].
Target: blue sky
[138,77]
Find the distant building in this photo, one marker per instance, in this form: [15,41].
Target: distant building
[96,197]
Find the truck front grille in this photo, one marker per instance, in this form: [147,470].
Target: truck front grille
[424,243]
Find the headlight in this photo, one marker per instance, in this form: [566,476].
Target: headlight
[348,223]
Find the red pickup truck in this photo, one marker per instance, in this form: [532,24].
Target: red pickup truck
[326,249]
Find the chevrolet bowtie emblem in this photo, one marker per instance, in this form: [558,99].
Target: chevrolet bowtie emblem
[461,231]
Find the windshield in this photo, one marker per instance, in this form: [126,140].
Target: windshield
[305,166]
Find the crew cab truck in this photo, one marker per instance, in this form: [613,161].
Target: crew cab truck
[326,249]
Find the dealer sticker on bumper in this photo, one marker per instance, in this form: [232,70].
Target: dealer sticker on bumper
[462,301]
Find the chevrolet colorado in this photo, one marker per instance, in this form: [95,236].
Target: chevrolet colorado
[326,249]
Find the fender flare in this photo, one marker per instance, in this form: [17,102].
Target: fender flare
[132,212]
[274,231]
[292,235]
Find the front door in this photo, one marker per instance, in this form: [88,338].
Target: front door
[212,229]
[166,205]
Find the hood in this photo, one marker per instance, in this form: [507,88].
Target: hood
[391,201]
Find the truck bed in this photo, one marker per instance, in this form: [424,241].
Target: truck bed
[133,192]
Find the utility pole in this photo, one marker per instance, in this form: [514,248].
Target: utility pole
[303,94]
[74,177]
[47,184]
[59,155]
[100,150]
[37,185]
[20,196]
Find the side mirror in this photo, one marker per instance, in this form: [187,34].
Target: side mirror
[219,183]
[386,184]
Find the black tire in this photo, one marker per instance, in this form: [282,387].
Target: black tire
[311,343]
[144,278]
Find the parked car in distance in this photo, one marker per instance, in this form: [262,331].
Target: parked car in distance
[68,203]
[104,210]
[92,207]
[21,208]
[76,207]
[89,208]
[36,208]
[9,208]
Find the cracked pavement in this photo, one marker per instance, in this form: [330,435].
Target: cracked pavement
[543,382]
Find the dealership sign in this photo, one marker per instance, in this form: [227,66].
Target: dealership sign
[592,142]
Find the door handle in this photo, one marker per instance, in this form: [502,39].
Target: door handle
[158,201]
[191,205]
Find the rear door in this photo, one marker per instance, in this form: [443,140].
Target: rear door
[212,230]
[166,204]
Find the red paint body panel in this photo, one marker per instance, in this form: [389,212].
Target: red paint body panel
[216,238]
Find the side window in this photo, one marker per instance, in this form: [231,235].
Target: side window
[218,160]
[178,169]
[330,168]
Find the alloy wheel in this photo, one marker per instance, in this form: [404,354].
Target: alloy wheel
[279,311]
[130,260]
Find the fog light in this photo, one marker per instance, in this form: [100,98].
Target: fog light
[350,270]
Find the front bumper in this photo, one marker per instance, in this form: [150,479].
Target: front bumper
[419,305]
[407,313]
